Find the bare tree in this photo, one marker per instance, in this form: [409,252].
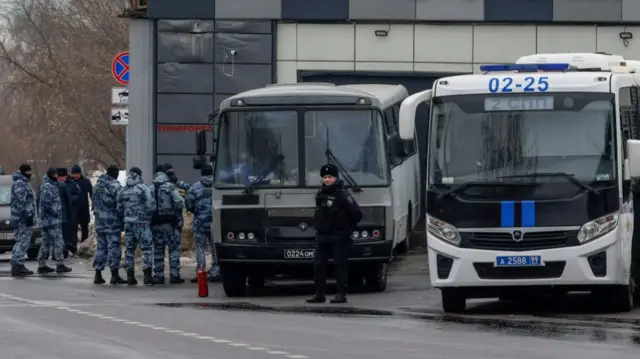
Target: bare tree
[55,59]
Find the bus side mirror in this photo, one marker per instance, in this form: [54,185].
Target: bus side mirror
[201,143]
[407,122]
[633,154]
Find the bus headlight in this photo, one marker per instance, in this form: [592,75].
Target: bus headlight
[443,230]
[597,228]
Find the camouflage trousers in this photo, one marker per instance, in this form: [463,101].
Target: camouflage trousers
[164,237]
[203,240]
[108,250]
[51,237]
[22,236]
[137,235]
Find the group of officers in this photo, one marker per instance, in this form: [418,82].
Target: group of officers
[150,216]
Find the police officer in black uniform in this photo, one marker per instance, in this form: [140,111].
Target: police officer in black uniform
[336,214]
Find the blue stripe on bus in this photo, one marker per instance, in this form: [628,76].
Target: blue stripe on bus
[507,213]
[528,213]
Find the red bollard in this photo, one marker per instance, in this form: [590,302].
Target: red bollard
[203,286]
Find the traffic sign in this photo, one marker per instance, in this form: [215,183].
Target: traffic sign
[120,116]
[120,68]
[120,96]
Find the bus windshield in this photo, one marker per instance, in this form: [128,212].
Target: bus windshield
[478,138]
[355,137]
[258,147]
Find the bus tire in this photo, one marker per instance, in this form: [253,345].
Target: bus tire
[619,298]
[376,276]
[453,301]
[256,281]
[234,281]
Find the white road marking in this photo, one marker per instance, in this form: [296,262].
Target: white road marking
[66,307]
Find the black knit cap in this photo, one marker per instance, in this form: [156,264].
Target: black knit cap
[329,169]
[136,170]
[161,168]
[62,171]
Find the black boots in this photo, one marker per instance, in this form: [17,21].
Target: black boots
[176,280]
[116,278]
[339,299]
[317,298]
[61,269]
[320,298]
[45,270]
[157,280]
[20,271]
[148,278]
[97,279]
[131,278]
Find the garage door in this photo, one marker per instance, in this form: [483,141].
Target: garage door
[414,82]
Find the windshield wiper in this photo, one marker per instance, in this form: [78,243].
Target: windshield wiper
[332,158]
[570,177]
[467,185]
[276,161]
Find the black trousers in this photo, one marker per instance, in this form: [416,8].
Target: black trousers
[339,250]
[84,227]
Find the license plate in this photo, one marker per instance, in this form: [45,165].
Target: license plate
[299,253]
[6,236]
[519,261]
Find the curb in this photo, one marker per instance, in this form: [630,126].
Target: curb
[568,323]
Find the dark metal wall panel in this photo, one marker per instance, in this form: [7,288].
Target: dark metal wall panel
[184,9]
[588,10]
[232,79]
[177,47]
[243,27]
[184,108]
[195,72]
[186,26]
[306,10]
[248,9]
[250,48]
[185,78]
[450,10]
[179,140]
[518,10]
[382,9]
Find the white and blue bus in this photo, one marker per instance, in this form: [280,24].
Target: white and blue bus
[530,174]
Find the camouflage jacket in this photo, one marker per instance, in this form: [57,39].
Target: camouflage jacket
[50,203]
[23,200]
[135,202]
[105,205]
[200,203]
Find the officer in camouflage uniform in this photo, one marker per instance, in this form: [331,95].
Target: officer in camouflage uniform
[23,213]
[183,188]
[199,202]
[136,205]
[51,223]
[169,204]
[109,226]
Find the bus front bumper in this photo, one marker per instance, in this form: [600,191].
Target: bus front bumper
[578,266]
[373,251]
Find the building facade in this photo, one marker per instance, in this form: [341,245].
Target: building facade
[187,56]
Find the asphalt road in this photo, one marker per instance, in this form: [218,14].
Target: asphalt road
[68,317]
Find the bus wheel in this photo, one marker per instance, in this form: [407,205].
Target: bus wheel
[256,281]
[453,301]
[376,276]
[234,281]
[619,298]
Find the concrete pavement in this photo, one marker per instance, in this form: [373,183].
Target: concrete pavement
[69,317]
